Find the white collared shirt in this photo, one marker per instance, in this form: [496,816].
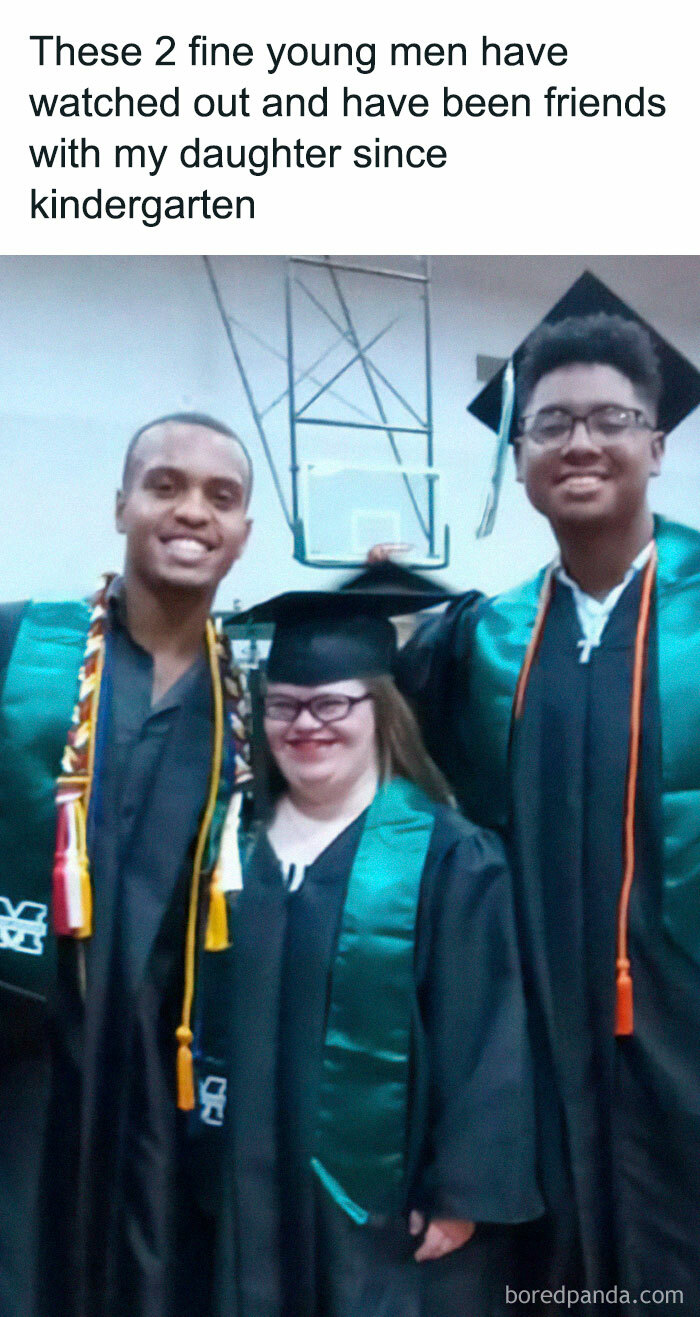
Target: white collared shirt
[593,613]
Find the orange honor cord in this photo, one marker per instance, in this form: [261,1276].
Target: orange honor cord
[534,642]
[624,1006]
[185,1068]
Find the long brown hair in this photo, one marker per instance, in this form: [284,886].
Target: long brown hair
[400,748]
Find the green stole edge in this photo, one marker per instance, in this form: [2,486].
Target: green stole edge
[361,1134]
[678,596]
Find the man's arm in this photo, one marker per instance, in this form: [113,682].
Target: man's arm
[481,1150]
[431,673]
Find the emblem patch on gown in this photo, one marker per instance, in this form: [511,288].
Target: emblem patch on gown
[212,1098]
[22,926]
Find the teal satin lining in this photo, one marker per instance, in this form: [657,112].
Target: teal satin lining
[678,605]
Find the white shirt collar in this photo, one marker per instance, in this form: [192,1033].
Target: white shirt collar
[593,613]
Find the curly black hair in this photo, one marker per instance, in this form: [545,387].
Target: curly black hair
[600,339]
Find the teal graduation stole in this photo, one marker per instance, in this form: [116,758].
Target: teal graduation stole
[36,708]
[493,660]
[362,1119]
[678,601]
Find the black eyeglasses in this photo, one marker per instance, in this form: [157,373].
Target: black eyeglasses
[552,427]
[324,708]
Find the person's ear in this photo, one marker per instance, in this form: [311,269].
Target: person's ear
[246,536]
[119,511]
[658,448]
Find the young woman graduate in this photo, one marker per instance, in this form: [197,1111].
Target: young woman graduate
[379,1112]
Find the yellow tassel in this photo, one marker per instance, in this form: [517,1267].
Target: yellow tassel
[85,929]
[185,1070]
[216,937]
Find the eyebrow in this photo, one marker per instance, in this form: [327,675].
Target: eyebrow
[154,472]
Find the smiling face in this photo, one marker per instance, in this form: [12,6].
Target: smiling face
[184,509]
[585,483]
[323,760]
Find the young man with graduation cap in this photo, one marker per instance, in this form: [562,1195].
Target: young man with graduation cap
[381,1128]
[566,713]
[121,739]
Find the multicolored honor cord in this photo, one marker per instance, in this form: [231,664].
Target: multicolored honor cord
[71,885]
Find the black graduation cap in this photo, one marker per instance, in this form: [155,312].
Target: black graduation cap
[323,636]
[494,405]
[587,296]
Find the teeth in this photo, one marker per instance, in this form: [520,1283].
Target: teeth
[186,549]
[583,482]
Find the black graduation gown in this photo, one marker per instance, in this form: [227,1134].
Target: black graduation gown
[287,1249]
[121,1236]
[23,1101]
[628,1110]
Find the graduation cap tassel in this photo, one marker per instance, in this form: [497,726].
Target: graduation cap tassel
[488,518]
[589,309]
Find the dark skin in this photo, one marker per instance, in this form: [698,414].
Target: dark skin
[184,515]
[593,495]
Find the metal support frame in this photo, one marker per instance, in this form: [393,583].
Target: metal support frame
[335,307]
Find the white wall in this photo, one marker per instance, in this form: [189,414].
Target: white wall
[94,346]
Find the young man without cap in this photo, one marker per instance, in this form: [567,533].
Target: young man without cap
[567,713]
[113,718]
